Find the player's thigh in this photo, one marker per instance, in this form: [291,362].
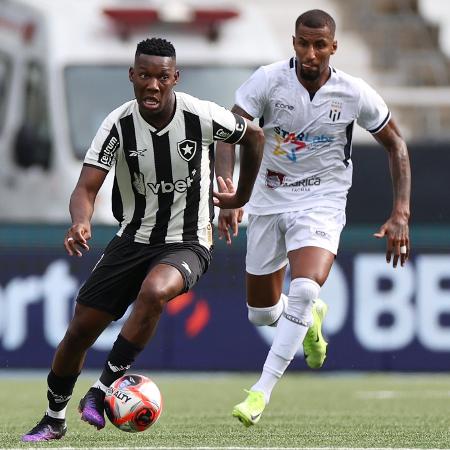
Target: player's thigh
[266,249]
[311,262]
[175,270]
[264,290]
[116,279]
[312,241]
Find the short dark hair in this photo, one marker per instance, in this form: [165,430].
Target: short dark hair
[156,47]
[316,18]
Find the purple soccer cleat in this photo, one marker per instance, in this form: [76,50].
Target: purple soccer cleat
[92,408]
[46,430]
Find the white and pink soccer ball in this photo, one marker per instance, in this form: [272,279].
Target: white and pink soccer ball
[133,403]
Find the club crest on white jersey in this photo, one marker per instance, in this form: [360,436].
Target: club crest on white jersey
[186,149]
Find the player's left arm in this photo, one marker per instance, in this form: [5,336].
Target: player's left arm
[252,144]
[224,166]
[396,228]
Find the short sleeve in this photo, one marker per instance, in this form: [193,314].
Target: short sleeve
[373,111]
[226,126]
[103,149]
[251,96]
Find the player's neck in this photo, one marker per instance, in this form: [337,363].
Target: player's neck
[312,86]
[163,118]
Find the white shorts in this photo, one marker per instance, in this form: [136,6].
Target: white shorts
[271,237]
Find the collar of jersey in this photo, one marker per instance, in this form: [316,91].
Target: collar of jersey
[164,130]
[296,81]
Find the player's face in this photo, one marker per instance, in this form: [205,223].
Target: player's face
[313,47]
[153,78]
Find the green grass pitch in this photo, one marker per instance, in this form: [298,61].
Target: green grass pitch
[306,411]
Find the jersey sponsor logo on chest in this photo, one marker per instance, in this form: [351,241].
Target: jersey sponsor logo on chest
[290,144]
[162,187]
[187,149]
[282,105]
[275,180]
[167,187]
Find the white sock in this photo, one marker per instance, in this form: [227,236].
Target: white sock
[98,384]
[57,414]
[269,315]
[291,330]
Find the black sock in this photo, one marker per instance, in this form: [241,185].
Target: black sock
[119,360]
[59,390]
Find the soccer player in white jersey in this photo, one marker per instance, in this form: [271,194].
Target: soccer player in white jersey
[307,110]
[161,147]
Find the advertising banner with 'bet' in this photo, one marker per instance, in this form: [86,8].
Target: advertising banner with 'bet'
[379,318]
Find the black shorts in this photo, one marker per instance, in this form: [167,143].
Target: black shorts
[116,279]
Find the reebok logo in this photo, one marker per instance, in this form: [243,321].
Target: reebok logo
[137,152]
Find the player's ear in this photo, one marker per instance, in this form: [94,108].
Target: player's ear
[176,76]
[130,74]
[335,46]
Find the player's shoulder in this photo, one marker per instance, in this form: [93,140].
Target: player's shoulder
[278,68]
[349,82]
[121,111]
[195,105]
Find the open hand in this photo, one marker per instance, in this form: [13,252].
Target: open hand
[396,232]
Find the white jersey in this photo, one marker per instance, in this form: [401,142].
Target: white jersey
[162,189]
[307,155]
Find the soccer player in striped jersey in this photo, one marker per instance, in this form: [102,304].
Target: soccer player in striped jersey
[161,145]
[307,110]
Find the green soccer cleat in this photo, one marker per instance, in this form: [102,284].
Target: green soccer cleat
[314,345]
[250,410]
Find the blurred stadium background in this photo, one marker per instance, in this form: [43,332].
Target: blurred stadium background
[63,67]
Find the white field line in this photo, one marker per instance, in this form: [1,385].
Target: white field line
[387,395]
[215,448]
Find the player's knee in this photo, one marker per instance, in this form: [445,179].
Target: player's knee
[267,316]
[151,299]
[302,293]
[78,337]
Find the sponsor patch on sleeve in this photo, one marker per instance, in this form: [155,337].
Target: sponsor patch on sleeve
[109,148]
[220,133]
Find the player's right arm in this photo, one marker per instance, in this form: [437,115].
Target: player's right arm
[224,168]
[99,159]
[81,208]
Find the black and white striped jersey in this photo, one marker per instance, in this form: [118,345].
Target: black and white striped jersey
[163,180]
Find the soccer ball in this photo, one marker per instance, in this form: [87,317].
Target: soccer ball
[133,403]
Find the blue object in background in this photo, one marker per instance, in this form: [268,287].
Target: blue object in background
[379,318]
